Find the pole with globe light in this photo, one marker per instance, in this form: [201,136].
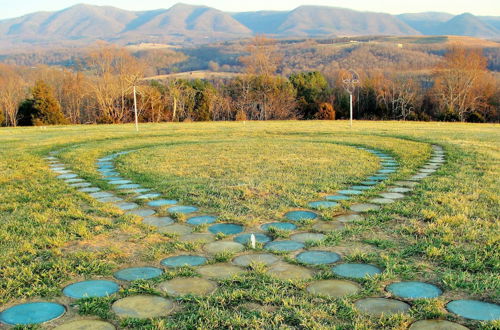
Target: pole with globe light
[350,79]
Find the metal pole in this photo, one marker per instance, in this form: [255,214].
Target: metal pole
[135,111]
[350,108]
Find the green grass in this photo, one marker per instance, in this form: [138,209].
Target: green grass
[446,232]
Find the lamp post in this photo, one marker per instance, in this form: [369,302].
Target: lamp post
[350,79]
[135,111]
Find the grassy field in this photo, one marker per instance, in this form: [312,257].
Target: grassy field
[446,232]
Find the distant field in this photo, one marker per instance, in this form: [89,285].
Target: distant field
[447,232]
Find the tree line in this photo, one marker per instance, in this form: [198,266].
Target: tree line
[459,88]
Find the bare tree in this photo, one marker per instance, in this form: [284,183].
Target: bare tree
[12,92]
[264,57]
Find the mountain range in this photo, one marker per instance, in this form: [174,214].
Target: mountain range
[82,24]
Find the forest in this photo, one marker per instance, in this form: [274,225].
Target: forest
[273,80]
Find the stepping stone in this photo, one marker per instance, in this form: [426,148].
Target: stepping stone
[261,258]
[113,178]
[184,260]
[74,180]
[475,310]
[333,288]
[138,273]
[317,257]
[286,272]
[119,182]
[426,170]
[364,207]
[300,215]
[106,167]
[32,313]
[101,194]
[392,195]
[129,186]
[356,270]
[360,188]
[322,205]
[436,325]
[337,198]
[138,191]
[142,307]
[307,237]
[225,228]
[91,289]
[383,201]
[370,183]
[377,178]
[379,306]
[414,290]
[201,220]
[386,171]
[399,190]
[142,212]
[127,206]
[349,217]
[328,226]
[284,246]
[67,176]
[279,225]
[184,286]
[62,171]
[418,177]
[148,196]
[197,238]
[409,184]
[259,238]
[86,325]
[80,185]
[350,192]
[89,190]
[162,202]
[110,174]
[220,271]
[110,199]
[176,229]
[182,209]
[223,246]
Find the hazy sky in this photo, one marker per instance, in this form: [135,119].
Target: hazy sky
[14,8]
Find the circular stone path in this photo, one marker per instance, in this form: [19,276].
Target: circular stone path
[223,246]
[220,271]
[262,258]
[475,310]
[318,257]
[31,313]
[333,288]
[91,289]
[285,272]
[356,270]
[379,306]
[190,285]
[142,307]
[138,273]
[414,290]
[184,260]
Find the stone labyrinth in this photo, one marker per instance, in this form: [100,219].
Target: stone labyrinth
[242,241]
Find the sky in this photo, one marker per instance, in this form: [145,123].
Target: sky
[15,8]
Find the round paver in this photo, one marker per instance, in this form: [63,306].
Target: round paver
[400,190]
[382,201]
[138,191]
[369,183]
[74,180]
[307,237]
[475,310]
[142,212]
[120,182]
[86,325]
[386,171]
[409,184]
[337,198]
[149,196]
[158,221]
[436,325]
[162,202]
[176,229]
[379,306]
[333,288]
[197,238]
[113,178]
[300,215]
[67,176]
[259,238]
[428,170]
[318,257]
[223,246]
[110,199]
[90,289]
[350,192]
[377,178]
[322,205]
[360,187]
[285,272]
[129,186]
[138,273]
[80,184]
[414,290]
[101,194]
[226,229]
[184,286]
[392,195]
[356,270]
[182,209]
[279,225]
[262,258]
[220,271]
[143,307]
[349,217]
[328,226]
[201,220]
[110,174]
[185,260]
[284,246]
[89,190]
[32,313]
[127,206]
[364,207]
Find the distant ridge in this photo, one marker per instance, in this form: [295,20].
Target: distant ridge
[83,24]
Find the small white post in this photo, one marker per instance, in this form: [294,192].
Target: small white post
[135,111]
[350,109]
[253,241]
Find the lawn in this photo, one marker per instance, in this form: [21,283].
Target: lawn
[446,232]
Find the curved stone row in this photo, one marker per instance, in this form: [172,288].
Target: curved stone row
[153,306]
